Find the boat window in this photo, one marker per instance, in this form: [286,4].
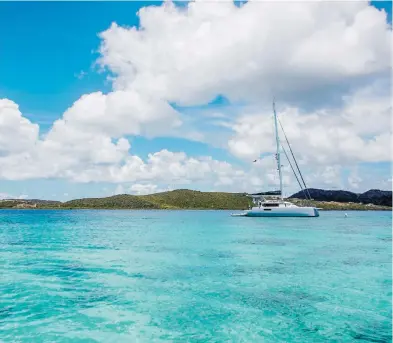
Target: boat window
[270,205]
[267,209]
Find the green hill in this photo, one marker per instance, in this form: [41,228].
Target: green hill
[184,198]
[123,201]
[178,199]
[339,206]
[29,203]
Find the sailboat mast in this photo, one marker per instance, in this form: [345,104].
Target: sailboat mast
[278,148]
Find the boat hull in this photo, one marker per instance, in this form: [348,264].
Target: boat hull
[282,212]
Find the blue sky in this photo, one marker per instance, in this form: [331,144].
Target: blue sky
[386,6]
[50,44]
[45,47]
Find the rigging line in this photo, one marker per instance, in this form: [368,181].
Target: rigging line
[289,145]
[294,173]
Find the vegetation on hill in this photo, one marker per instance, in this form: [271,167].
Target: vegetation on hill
[373,196]
[178,199]
[8,203]
[339,206]
[183,199]
[29,203]
[122,201]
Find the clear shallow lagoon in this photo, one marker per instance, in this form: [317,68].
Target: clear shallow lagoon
[194,276]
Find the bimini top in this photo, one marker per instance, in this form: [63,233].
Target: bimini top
[267,193]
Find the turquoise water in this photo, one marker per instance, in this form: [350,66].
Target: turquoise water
[194,276]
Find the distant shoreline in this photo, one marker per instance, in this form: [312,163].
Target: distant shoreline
[184,199]
[384,209]
[322,207]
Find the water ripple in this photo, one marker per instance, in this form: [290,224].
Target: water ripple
[193,276]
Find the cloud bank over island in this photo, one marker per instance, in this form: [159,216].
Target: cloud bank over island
[328,64]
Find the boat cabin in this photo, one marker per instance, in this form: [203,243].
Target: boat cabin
[269,200]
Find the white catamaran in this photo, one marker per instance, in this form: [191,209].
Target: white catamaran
[277,207]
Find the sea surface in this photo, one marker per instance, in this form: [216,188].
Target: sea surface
[194,276]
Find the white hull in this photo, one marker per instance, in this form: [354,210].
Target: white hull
[280,212]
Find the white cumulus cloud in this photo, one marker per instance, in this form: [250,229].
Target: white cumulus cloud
[327,62]
[191,54]
[17,134]
[359,131]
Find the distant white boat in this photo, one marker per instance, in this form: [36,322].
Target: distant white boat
[277,207]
